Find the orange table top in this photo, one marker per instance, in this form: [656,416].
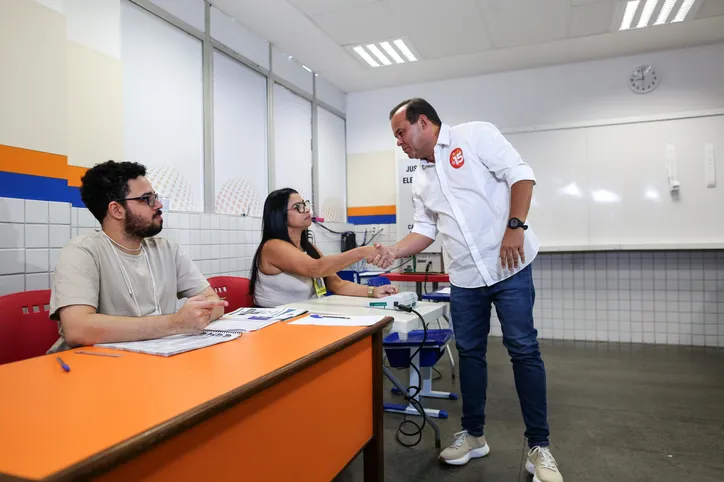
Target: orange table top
[51,420]
[418,277]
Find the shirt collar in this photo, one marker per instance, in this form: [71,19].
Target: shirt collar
[443,139]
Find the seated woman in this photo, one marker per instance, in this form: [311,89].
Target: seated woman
[287,266]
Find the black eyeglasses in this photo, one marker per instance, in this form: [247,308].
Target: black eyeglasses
[151,199]
[301,207]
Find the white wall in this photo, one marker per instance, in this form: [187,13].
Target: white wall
[667,297]
[692,80]
[557,119]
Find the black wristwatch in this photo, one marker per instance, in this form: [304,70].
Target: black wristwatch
[515,223]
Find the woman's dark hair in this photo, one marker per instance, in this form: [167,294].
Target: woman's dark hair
[107,182]
[274,226]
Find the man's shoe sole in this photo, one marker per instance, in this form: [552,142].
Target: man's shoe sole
[473,454]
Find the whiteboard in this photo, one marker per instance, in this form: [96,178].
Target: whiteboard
[405,213]
[607,187]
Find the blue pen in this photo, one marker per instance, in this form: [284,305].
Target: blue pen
[329,316]
[62,363]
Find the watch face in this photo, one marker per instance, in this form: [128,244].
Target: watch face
[514,223]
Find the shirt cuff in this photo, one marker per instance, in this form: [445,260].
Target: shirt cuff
[520,173]
[427,230]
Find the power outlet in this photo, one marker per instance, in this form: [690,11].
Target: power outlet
[434,259]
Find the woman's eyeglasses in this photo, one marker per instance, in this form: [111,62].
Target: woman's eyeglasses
[149,198]
[301,207]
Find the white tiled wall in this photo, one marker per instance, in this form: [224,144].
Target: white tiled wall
[651,297]
[33,232]
[663,297]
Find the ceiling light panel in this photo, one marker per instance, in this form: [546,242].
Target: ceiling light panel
[683,10]
[382,54]
[665,11]
[647,13]
[628,15]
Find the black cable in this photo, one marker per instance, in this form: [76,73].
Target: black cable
[365,243]
[398,266]
[416,430]
[325,227]
[427,270]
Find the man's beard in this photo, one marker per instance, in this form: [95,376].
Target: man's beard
[137,227]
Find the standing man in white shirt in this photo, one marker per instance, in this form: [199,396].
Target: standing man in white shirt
[475,190]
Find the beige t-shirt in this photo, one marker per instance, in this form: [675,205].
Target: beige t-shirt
[90,271]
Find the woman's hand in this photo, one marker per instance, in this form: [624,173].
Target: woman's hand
[384,290]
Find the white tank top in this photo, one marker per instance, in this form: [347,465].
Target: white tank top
[279,289]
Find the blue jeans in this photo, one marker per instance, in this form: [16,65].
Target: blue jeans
[470,309]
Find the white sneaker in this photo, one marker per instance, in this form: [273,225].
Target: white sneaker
[464,448]
[542,465]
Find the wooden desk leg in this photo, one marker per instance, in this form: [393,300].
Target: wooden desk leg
[374,458]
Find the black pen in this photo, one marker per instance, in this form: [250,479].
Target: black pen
[62,364]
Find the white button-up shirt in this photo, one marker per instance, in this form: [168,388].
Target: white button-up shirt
[465,195]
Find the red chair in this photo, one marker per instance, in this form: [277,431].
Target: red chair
[26,329]
[233,289]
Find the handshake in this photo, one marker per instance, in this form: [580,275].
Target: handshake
[380,256]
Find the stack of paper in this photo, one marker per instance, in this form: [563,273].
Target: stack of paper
[336,320]
[252,319]
[174,344]
[227,328]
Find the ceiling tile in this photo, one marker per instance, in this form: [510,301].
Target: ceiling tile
[315,7]
[361,23]
[711,8]
[457,29]
[513,23]
[591,19]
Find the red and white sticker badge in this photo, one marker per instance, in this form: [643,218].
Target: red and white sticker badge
[456,158]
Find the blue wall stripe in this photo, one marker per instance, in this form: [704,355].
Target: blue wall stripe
[24,186]
[373,219]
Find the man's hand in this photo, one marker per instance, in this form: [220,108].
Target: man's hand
[382,257]
[512,248]
[384,290]
[196,313]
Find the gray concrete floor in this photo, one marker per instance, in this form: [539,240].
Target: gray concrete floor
[617,412]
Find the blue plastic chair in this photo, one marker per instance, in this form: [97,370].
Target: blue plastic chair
[349,275]
[378,281]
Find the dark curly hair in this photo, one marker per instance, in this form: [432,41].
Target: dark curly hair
[107,182]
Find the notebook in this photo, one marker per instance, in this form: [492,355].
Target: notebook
[321,320]
[174,344]
[251,319]
[228,327]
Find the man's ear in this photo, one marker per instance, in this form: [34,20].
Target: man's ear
[424,121]
[116,211]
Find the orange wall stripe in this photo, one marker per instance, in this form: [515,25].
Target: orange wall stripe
[74,173]
[371,210]
[34,163]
